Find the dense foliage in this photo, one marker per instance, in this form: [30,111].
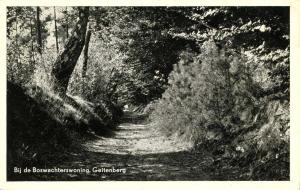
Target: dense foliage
[233,97]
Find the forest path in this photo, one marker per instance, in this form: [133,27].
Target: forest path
[143,152]
[135,137]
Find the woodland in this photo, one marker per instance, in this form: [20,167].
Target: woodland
[169,93]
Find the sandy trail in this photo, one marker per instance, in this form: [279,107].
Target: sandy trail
[141,151]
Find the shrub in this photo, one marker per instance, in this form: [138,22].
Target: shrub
[202,92]
[213,101]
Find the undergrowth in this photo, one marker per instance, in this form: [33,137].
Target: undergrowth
[213,101]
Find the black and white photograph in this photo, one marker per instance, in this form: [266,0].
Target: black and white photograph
[148,93]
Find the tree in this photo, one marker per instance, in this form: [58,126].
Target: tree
[32,42]
[260,33]
[66,61]
[142,35]
[19,44]
[38,30]
[67,25]
[85,52]
[56,35]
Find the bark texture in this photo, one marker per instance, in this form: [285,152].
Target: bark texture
[86,52]
[56,35]
[38,30]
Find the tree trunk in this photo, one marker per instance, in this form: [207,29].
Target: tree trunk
[66,61]
[55,26]
[67,25]
[17,39]
[86,52]
[32,45]
[38,30]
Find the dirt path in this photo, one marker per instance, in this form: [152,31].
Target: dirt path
[136,139]
[141,151]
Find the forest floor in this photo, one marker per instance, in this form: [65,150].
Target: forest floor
[139,149]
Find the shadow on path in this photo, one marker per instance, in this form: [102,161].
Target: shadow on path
[162,166]
[137,148]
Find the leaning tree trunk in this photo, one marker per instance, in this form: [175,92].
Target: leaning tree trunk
[66,61]
[86,52]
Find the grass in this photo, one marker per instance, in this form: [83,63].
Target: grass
[42,127]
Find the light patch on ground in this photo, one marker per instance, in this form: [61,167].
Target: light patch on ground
[137,139]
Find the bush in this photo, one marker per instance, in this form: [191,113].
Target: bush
[213,101]
[202,93]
